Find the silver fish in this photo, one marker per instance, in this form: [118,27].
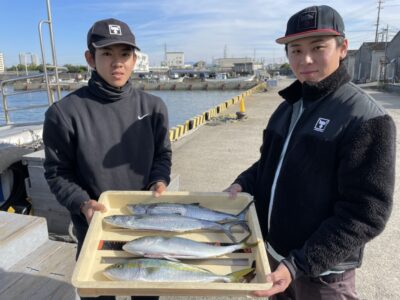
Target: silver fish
[194,210]
[174,248]
[172,223]
[158,270]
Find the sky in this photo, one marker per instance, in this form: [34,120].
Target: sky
[202,29]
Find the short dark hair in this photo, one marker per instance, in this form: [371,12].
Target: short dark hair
[339,42]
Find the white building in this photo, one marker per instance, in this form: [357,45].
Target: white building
[142,63]
[34,59]
[22,58]
[1,63]
[240,64]
[175,59]
[28,58]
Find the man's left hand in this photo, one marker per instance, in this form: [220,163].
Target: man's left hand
[158,188]
[280,279]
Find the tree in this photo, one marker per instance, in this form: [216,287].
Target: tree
[75,69]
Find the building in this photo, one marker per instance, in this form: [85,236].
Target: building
[368,62]
[22,58]
[34,59]
[175,59]
[393,59]
[1,63]
[142,63]
[349,62]
[28,58]
[237,65]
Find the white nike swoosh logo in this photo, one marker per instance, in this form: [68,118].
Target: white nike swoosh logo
[141,117]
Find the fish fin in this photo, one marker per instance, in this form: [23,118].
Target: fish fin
[244,275]
[195,204]
[171,258]
[151,270]
[242,215]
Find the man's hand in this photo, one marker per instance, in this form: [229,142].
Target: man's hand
[89,207]
[233,190]
[280,279]
[158,188]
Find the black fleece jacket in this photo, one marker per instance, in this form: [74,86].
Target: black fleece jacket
[102,138]
[335,188]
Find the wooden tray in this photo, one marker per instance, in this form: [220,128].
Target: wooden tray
[90,281]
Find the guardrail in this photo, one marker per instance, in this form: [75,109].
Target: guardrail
[6,92]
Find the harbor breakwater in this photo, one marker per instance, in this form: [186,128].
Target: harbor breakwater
[151,85]
[179,131]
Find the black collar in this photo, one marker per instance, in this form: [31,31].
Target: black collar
[312,91]
[101,89]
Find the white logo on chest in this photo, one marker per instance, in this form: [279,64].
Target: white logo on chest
[141,117]
[321,124]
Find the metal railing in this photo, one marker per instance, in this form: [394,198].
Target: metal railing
[50,86]
[49,22]
[7,89]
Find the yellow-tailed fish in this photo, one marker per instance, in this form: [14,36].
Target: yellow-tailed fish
[158,270]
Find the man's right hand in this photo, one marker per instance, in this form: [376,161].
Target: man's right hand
[89,207]
[233,190]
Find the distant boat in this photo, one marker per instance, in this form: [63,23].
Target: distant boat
[224,78]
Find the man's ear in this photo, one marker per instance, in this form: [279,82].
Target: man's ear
[344,48]
[134,57]
[90,59]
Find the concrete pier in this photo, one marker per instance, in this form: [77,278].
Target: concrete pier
[211,158]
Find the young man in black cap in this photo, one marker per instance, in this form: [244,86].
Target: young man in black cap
[324,182]
[107,135]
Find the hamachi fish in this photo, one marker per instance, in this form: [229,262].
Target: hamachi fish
[159,270]
[174,248]
[172,223]
[194,210]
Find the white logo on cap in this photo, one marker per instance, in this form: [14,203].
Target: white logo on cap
[321,124]
[115,29]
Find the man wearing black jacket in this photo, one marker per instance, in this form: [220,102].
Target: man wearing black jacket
[324,182]
[107,135]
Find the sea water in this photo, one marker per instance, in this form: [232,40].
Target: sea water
[181,105]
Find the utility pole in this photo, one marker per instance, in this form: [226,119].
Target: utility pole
[386,58]
[377,20]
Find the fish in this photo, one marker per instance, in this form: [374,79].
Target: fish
[172,223]
[174,248]
[159,270]
[194,210]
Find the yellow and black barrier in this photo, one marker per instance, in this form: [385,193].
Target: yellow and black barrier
[177,132]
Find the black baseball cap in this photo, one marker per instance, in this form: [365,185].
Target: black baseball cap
[110,32]
[313,21]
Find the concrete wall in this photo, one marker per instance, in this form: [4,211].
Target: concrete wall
[376,66]
[393,55]
[350,65]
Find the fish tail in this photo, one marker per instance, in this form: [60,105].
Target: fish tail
[242,215]
[227,227]
[244,275]
[251,245]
